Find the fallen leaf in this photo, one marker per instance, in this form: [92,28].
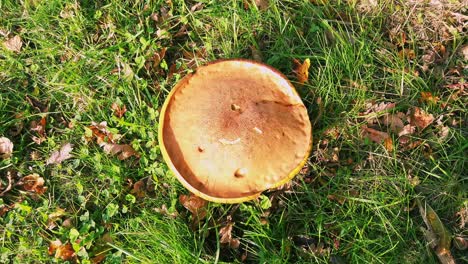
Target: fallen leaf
[226,233]
[125,151]
[420,119]
[53,217]
[65,252]
[407,53]
[196,7]
[119,111]
[53,245]
[374,135]
[394,122]
[339,199]
[376,108]
[156,59]
[388,144]
[461,243]
[301,70]
[33,183]
[14,44]
[407,130]
[60,155]
[139,188]
[39,127]
[196,205]
[100,132]
[427,97]
[6,148]
[463,214]
[262,4]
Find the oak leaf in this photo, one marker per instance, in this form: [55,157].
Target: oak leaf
[33,183]
[420,119]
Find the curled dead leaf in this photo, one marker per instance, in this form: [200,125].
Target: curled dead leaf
[124,151]
[427,97]
[33,183]
[6,148]
[119,111]
[301,70]
[420,119]
[53,245]
[394,122]
[196,205]
[14,44]
[388,144]
[100,132]
[60,155]
[373,134]
[65,252]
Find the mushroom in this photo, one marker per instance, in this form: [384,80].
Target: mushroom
[234,129]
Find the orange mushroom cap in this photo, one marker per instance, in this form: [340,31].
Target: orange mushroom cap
[234,129]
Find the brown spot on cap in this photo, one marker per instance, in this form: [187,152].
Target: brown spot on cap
[241,172]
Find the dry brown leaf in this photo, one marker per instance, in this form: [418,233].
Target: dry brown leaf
[301,70]
[156,59]
[65,252]
[226,234]
[125,151]
[407,53]
[139,188]
[420,119]
[394,122]
[195,204]
[101,133]
[53,245]
[337,198]
[33,183]
[407,130]
[196,7]
[39,127]
[6,148]
[374,135]
[376,108]
[463,214]
[14,44]
[262,4]
[427,97]
[119,111]
[388,144]
[53,217]
[60,155]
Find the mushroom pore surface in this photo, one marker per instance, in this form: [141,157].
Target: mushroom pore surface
[234,129]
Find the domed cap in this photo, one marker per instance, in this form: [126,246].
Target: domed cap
[233,129]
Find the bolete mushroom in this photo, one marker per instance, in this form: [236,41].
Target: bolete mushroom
[234,129]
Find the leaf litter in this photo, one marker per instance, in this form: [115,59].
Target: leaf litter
[60,155]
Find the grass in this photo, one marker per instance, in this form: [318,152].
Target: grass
[80,57]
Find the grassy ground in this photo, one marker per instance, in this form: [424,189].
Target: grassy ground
[355,202]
